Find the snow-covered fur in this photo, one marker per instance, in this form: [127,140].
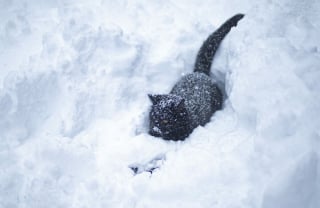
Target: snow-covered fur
[194,99]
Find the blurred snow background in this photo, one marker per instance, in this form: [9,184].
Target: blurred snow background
[73,83]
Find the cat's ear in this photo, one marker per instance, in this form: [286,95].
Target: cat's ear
[181,104]
[155,98]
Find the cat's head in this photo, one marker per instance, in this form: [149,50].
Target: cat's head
[169,117]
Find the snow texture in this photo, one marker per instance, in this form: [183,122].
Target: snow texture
[74,81]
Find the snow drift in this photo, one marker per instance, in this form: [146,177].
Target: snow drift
[74,81]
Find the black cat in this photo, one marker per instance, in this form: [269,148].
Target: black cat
[194,99]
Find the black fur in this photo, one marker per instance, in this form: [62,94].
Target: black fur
[194,99]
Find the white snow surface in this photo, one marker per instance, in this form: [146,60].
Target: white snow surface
[74,80]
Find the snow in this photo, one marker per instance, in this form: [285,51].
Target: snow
[74,81]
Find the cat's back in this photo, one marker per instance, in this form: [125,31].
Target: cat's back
[202,96]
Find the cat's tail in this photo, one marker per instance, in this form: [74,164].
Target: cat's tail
[210,46]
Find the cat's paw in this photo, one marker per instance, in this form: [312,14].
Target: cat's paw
[150,166]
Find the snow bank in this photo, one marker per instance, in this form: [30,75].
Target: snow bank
[73,83]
